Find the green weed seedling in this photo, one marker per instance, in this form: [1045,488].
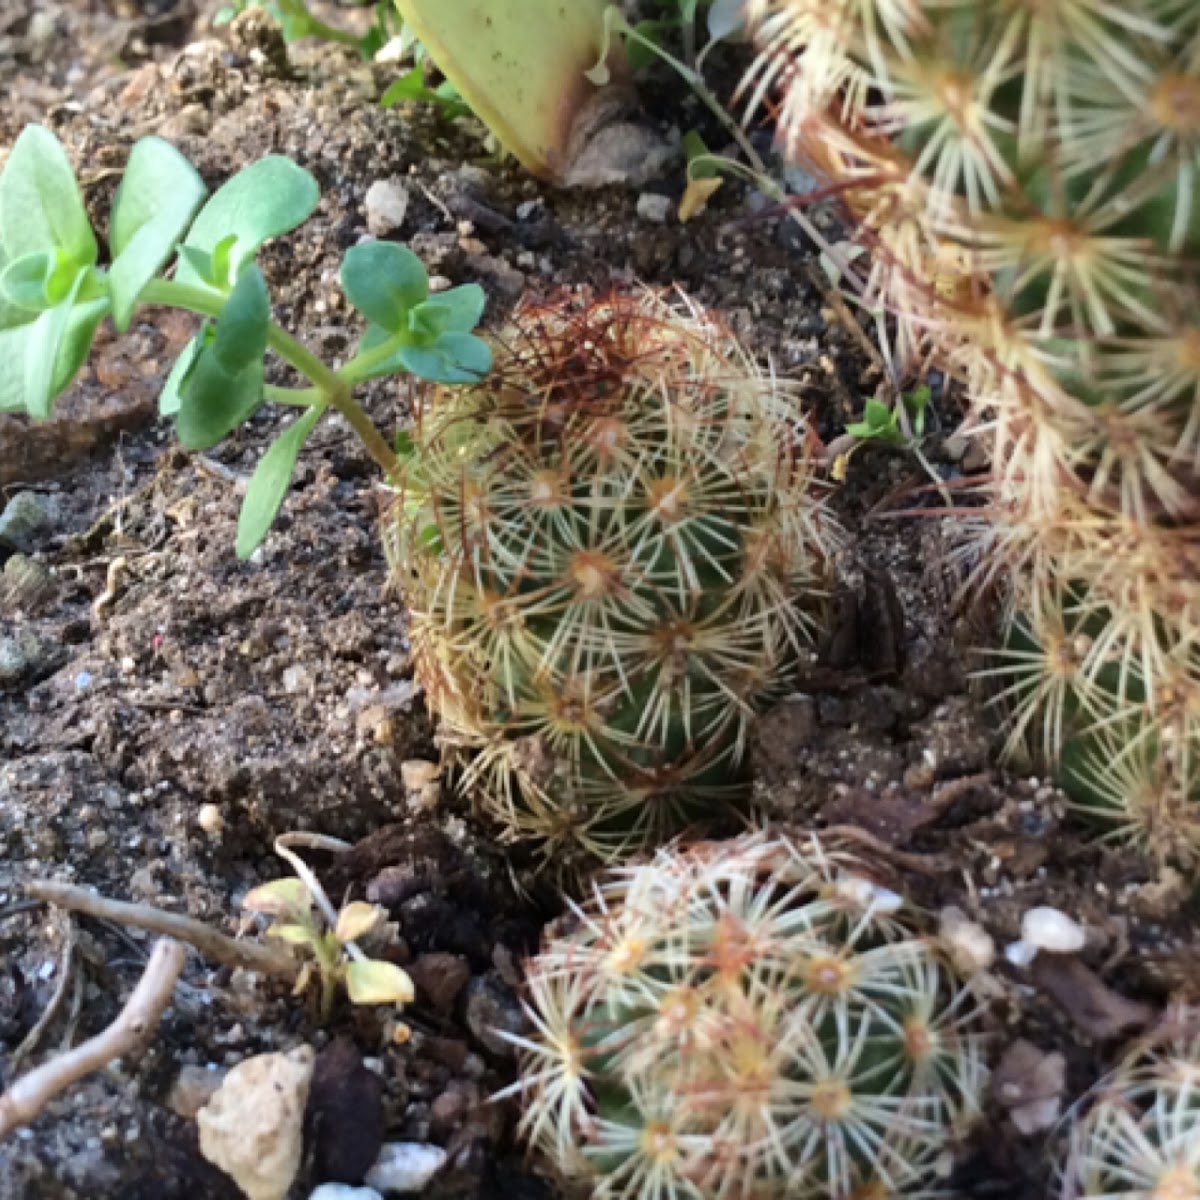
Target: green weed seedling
[886,425]
[169,246]
[296,22]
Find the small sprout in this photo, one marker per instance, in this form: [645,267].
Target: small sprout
[887,425]
[297,920]
[357,920]
[169,246]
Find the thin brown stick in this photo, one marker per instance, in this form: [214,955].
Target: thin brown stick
[31,1039]
[267,960]
[924,864]
[137,1020]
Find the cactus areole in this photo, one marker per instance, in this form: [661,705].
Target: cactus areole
[520,65]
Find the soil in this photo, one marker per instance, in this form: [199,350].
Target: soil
[166,711]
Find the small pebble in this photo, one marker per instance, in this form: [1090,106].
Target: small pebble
[23,518]
[210,820]
[344,1191]
[970,946]
[405,1166]
[386,206]
[1050,929]
[653,207]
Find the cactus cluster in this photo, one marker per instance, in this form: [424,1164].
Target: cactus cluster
[1140,1136]
[746,1019]
[613,555]
[1025,177]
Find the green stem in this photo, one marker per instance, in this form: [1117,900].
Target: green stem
[329,387]
[294,397]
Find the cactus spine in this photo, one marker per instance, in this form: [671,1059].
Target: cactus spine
[1025,175]
[746,1019]
[1140,1136]
[613,558]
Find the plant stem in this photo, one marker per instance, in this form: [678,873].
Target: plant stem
[330,387]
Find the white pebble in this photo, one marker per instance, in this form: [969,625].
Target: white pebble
[862,893]
[405,1166]
[344,1191]
[653,207]
[969,945]
[1049,929]
[210,820]
[387,206]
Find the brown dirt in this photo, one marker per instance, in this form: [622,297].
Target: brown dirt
[280,690]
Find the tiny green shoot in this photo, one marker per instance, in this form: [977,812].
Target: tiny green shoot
[296,22]
[171,245]
[886,425]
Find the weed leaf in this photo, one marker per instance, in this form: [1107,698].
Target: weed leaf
[156,201]
[384,282]
[266,199]
[270,482]
[40,204]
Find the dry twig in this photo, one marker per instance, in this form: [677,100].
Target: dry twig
[137,1020]
[276,962]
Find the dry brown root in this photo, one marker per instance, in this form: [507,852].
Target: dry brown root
[21,1104]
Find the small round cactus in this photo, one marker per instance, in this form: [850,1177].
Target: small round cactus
[1140,1137]
[1024,175]
[746,1019]
[614,556]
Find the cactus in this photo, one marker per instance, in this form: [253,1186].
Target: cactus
[746,1019]
[613,556]
[1025,175]
[1139,1139]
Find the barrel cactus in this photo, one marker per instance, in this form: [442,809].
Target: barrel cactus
[1139,1137]
[751,1018]
[1025,177]
[613,555]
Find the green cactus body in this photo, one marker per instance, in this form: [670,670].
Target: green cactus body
[1025,175]
[613,556]
[746,1019]
[1139,1137]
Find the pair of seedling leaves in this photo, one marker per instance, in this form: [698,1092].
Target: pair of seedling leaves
[53,296]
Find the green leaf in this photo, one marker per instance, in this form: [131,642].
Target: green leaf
[40,204]
[242,327]
[411,88]
[170,396]
[697,155]
[45,338]
[375,982]
[465,305]
[268,198]
[279,898]
[453,358]
[225,383]
[198,265]
[384,281]
[38,281]
[156,201]
[270,482]
[77,341]
[427,322]
[294,935]
[13,343]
